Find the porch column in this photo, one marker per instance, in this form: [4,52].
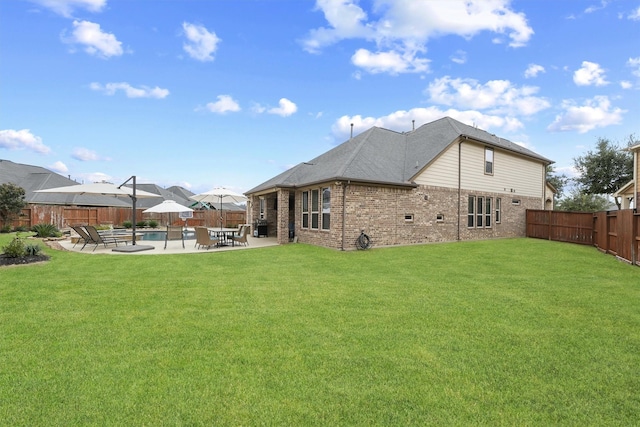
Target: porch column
[283,216]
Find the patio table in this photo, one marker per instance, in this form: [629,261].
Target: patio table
[222,234]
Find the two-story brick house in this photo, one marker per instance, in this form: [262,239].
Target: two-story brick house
[443,181]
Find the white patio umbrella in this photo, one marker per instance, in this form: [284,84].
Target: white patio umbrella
[219,195]
[168,206]
[107,189]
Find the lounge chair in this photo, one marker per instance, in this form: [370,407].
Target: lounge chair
[98,238]
[241,237]
[83,236]
[204,239]
[174,232]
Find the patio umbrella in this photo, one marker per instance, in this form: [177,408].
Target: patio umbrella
[106,189]
[168,206]
[219,195]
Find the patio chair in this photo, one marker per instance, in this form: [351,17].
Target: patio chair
[241,237]
[83,236]
[98,238]
[174,232]
[204,239]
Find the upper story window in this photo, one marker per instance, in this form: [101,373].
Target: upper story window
[488,161]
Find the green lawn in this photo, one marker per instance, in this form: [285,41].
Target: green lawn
[507,332]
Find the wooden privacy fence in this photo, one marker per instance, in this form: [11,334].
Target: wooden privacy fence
[66,216]
[613,232]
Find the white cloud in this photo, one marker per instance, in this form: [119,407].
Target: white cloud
[95,41]
[85,155]
[130,91]
[402,121]
[403,27]
[634,15]
[67,7]
[201,44]
[391,62]
[634,63]
[22,139]
[224,104]
[497,96]
[285,108]
[590,74]
[625,84]
[533,70]
[595,8]
[98,177]
[59,167]
[460,57]
[595,113]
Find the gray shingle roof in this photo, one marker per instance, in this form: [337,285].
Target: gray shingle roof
[33,178]
[384,156]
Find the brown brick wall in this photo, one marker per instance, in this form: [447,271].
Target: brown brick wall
[397,216]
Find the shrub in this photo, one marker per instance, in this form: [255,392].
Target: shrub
[15,249]
[153,223]
[32,249]
[20,229]
[5,229]
[46,230]
[127,224]
[141,224]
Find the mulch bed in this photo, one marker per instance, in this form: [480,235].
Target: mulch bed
[6,261]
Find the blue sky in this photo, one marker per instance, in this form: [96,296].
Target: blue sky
[232,92]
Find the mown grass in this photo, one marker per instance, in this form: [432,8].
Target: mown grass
[507,332]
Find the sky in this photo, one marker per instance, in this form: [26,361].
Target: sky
[229,93]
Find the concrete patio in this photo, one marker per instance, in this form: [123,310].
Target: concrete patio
[173,247]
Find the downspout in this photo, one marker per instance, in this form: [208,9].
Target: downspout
[344,211]
[459,182]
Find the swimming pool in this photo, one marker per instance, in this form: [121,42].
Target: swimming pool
[158,236]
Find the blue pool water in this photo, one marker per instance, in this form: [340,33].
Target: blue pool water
[158,236]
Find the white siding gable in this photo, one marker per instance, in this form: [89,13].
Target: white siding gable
[513,174]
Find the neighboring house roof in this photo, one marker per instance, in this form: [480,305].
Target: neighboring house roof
[32,178]
[387,157]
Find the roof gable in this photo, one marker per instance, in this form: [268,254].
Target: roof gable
[388,157]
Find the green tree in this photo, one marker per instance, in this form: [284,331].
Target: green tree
[11,201]
[578,201]
[559,181]
[605,170]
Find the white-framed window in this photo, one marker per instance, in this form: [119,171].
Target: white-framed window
[479,212]
[487,212]
[326,208]
[440,217]
[305,209]
[498,210]
[315,209]
[488,161]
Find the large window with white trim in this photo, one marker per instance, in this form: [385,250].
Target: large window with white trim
[471,216]
[326,208]
[480,213]
[315,209]
[305,209]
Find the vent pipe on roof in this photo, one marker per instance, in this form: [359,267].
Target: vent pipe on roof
[413,124]
[351,131]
